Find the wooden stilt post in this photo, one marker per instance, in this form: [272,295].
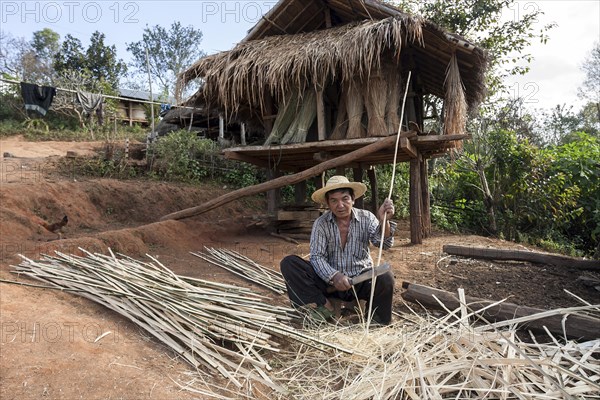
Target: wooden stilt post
[243,134]
[273,195]
[411,108]
[357,174]
[322,129]
[415,202]
[425,199]
[221,127]
[328,17]
[300,193]
[373,182]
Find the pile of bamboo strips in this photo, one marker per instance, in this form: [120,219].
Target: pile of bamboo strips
[218,326]
[422,357]
[245,267]
[236,332]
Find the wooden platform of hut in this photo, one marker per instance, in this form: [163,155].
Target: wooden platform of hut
[297,157]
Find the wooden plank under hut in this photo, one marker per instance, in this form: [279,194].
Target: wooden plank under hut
[296,222]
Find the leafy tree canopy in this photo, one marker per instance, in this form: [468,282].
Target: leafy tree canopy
[70,55]
[45,43]
[170,52]
[504,27]
[100,60]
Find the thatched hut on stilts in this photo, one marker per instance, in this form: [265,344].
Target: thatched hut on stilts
[319,79]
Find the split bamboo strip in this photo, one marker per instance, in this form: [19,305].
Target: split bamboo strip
[341,119]
[285,117]
[394,89]
[423,357]
[304,119]
[242,266]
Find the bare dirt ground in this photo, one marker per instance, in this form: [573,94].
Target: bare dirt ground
[54,345]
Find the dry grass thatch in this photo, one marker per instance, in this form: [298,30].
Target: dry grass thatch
[355,110]
[455,103]
[277,64]
[376,99]
[394,90]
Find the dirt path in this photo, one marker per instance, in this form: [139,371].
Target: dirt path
[50,346]
[18,147]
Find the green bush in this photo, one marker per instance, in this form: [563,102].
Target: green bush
[177,156]
[548,197]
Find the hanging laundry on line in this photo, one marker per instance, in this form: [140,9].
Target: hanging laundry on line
[91,102]
[164,108]
[37,98]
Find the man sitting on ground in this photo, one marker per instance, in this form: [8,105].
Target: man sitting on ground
[339,250]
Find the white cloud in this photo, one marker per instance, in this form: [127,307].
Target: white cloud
[556,70]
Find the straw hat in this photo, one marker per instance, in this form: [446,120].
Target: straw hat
[338,182]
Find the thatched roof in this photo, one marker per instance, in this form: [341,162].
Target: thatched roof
[275,65]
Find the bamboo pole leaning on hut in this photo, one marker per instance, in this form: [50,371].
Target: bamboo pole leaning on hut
[285,117]
[304,119]
[341,120]
[282,180]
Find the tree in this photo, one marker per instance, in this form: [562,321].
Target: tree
[170,53]
[20,61]
[99,61]
[482,22]
[102,61]
[70,56]
[590,88]
[590,119]
[45,43]
[559,123]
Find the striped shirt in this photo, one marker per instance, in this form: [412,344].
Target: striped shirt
[326,253]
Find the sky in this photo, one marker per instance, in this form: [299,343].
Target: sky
[554,77]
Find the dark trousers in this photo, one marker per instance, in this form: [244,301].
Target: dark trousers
[304,286]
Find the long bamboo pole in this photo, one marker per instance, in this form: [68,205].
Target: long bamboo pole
[283,180]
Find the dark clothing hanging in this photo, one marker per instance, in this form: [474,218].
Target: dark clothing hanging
[100,114]
[91,102]
[37,99]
